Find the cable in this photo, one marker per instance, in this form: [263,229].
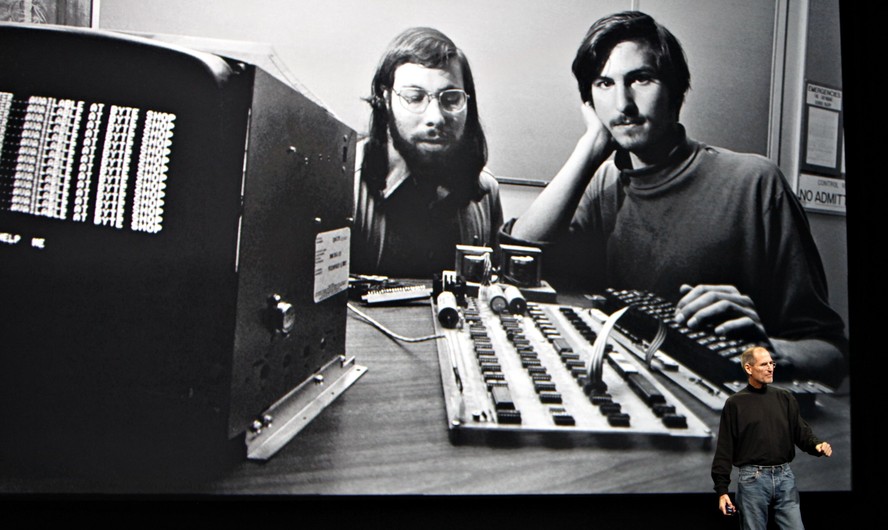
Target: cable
[389,332]
[488,269]
[598,347]
[655,344]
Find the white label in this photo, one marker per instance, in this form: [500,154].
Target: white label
[822,193]
[823,137]
[331,263]
[821,96]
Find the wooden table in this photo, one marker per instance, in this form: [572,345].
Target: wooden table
[387,434]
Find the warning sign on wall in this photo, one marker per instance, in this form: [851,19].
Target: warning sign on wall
[822,194]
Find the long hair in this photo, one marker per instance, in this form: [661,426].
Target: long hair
[430,48]
[607,32]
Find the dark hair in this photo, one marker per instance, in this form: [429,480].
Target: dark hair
[430,48]
[607,32]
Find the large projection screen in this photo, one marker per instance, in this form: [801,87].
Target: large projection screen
[521,53]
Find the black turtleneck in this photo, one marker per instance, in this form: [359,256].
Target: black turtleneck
[759,426]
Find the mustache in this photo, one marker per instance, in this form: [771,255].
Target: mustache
[627,120]
[435,134]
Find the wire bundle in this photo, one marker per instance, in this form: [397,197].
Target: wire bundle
[596,360]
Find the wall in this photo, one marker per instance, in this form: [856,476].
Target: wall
[823,65]
[813,52]
[520,52]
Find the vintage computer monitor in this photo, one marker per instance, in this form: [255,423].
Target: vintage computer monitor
[174,231]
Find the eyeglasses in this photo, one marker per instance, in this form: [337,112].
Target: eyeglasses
[417,100]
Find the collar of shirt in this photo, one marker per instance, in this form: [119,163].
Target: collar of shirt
[659,174]
[398,172]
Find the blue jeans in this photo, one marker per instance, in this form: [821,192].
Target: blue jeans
[759,487]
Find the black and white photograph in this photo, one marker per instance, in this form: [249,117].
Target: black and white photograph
[460,263]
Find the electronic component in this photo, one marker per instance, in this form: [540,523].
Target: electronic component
[529,373]
[522,265]
[404,293]
[361,284]
[515,301]
[494,297]
[174,237]
[448,313]
[473,263]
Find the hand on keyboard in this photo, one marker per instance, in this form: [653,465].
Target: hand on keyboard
[721,307]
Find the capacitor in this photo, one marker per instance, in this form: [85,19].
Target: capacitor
[493,295]
[515,300]
[448,314]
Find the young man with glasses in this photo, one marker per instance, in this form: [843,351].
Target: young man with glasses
[421,185]
[639,205]
[759,430]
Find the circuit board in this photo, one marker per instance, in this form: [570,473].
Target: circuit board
[532,373]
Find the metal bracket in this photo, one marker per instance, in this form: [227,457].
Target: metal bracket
[280,422]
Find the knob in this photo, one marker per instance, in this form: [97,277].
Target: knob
[283,314]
